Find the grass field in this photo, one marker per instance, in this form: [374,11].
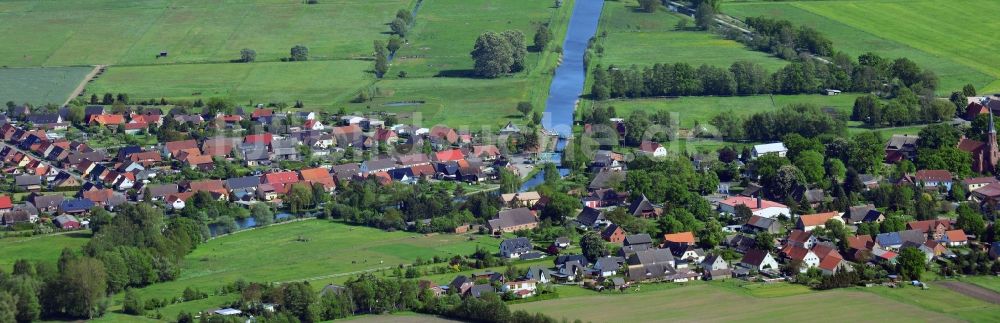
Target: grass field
[705,302]
[40,86]
[313,82]
[942,300]
[59,33]
[39,248]
[635,37]
[307,250]
[691,110]
[438,64]
[936,34]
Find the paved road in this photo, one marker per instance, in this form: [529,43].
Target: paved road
[46,162]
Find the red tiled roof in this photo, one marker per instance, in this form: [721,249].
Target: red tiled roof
[107,119]
[810,220]
[175,146]
[799,236]
[956,236]
[937,175]
[928,225]
[830,263]
[861,242]
[5,202]
[751,203]
[281,178]
[795,252]
[990,190]
[680,237]
[488,150]
[449,155]
[649,146]
[318,175]
[213,185]
[257,113]
[969,145]
[264,138]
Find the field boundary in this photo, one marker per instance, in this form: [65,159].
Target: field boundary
[83,83]
[972,290]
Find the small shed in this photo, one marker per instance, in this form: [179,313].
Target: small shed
[832,92]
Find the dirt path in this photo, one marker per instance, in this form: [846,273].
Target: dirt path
[973,291]
[83,84]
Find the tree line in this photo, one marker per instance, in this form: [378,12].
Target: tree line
[367,294]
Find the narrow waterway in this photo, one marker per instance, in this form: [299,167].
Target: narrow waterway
[567,84]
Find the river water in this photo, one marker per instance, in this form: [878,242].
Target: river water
[567,84]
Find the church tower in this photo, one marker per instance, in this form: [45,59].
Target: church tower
[992,153]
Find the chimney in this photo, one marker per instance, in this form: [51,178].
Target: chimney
[758,202]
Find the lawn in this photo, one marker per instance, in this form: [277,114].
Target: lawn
[641,38]
[706,302]
[59,33]
[307,250]
[936,34]
[313,82]
[39,248]
[41,85]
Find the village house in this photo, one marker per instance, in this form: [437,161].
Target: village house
[901,147]
[521,199]
[863,214]
[514,248]
[776,148]
[652,149]
[761,224]
[613,233]
[758,260]
[513,220]
[591,218]
[520,288]
[759,207]
[808,222]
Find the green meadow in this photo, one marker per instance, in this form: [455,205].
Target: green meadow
[59,33]
[307,250]
[643,39]
[40,85]
[947,37]
[701,110]
[711,302]
[438,65]
[313,82]
[39,248]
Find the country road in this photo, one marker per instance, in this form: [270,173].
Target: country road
[83,84]
[46,162]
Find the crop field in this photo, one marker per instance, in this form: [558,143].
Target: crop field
[39,248]
[307,250]
[641,38]
[40,85]
[701,303]
[940,35]
[59,33]
[313,82]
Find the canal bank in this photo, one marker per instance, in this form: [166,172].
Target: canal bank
[567,83]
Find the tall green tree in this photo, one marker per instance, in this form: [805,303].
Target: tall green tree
[704,16]
[493,55]
[911,263]
[593,247]
[299,53]
[542,37]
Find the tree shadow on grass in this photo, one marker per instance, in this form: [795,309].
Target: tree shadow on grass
[458,73]
[79,235]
